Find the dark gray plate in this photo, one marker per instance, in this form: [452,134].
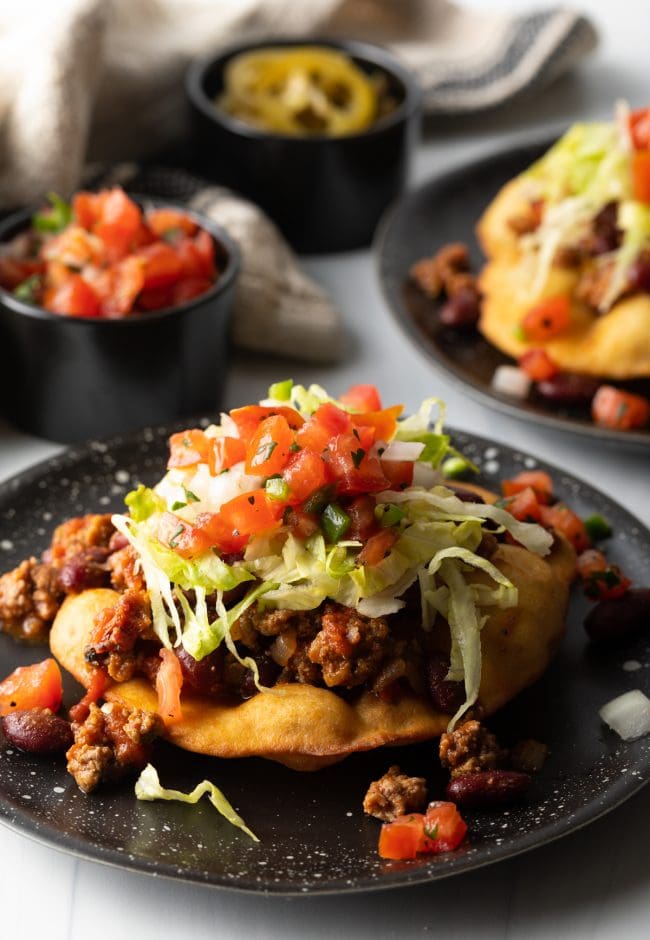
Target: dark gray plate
[446,209]
[314,836]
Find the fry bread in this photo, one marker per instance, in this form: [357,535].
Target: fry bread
[614,345]
[307,728]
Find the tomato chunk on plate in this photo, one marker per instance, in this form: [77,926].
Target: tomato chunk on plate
[37,686]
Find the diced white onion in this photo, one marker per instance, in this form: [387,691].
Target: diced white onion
[403,450]
[426,476]
[511,380]
[628,715]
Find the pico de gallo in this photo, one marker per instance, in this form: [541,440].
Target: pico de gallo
[104,256]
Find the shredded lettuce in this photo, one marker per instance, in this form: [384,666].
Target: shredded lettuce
[148,787]
[144,502]
[634,220]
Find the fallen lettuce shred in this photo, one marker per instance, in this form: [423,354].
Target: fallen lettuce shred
[148,787]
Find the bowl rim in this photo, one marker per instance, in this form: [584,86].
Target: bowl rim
[225,279]
[376,54]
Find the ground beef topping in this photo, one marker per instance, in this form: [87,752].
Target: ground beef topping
[30,596]
[125,570]
[115,633]
[445,272]
[395,795]
[112,742]
[32,593]
[470,748]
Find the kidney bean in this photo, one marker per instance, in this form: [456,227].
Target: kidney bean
[466,496]
[447,696]
[462,310]
[85,570]
[567,388]
[118,541]
[488,788]
[614,619]
[606,235]
[205,675]
[269,672]
[37,730]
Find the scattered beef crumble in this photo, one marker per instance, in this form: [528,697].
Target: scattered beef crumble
[470,748]
[395,794]
[112,742]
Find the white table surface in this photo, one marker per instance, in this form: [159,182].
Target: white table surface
[592,884]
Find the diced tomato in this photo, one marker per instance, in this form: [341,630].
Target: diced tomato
[524,505]
[325,423]
[641,175]
[564,520]
[623,411]
[354,470]
[86,207]
[384,423]
[362,398]
[162,266]
[245,515]
[538,365]
[75,248]
[444,827]
[37,686]
[187,448]
[204,244]
[189,288]
[157,298]
[268,450]
[538,480]
[399,473]
[304,472]
[249,418]
[640,128]
[550,318]
[124,283]
[363,523]
[440,829]
[162,221]
[186,539]
[74,298]
[377,547]
[401,838]
[98,685]
[601,580]
[169,680]
[119,223]
[225,453]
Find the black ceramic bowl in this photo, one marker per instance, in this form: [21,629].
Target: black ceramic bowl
[325,193]
[71,378]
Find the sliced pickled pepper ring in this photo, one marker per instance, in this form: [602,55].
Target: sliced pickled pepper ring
[301,90]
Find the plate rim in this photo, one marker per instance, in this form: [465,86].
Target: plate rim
[39,831]
[631,440]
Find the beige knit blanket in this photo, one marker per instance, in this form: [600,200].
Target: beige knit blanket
[102,80]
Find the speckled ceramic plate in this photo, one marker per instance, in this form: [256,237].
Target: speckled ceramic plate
[314,836]
[446,209]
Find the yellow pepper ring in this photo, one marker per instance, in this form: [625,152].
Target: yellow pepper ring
[299,90]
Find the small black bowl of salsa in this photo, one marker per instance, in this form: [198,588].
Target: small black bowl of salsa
[114,315]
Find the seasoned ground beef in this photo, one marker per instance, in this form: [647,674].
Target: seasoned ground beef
[349,647]
[125,570]
[593,284]
[112,742]
[447,271]
[78,534]
[470,748]
[333,646]
[115,632]
[31,594]
[395,795]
